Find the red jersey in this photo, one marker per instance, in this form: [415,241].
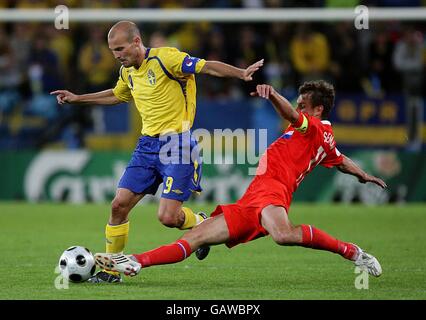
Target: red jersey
[289,159]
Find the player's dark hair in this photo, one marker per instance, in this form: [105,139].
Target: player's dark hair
[321,93]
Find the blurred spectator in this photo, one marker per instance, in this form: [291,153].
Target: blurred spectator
[250,49]
[186,38]
[274,3]
[278,71]
[21,43]
[157,40]
[341,3]
[391,3]
[43,74]
[310,53]
[408,60]
[10,76]
[45,61]
[252,4]
[96,61]
[32,4]
[380,76]
[101,4]
[218,4]
[61,44]
[146,4]
[68,3]
[98,68]
[424,61]
[4,4]
[215,48]
[302,3]
[172,4]
[346,65]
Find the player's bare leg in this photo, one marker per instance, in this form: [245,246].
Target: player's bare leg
[276,222]
[117,230]
[172,214]
[123,202]
[211,232]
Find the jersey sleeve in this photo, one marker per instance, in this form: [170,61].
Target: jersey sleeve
[306,124]
[333,158]
[301,124]
[180,63]
[121,89]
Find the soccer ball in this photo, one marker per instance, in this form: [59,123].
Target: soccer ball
[77,264]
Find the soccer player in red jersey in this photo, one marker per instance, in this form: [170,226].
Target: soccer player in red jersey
[263,209]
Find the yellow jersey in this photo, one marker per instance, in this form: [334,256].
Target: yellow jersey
[163,89]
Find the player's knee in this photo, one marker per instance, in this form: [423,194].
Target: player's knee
[169,219]
[286,237]
[281,239]
[119,208]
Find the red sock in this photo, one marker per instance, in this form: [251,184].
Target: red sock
[317,239]
[171,253]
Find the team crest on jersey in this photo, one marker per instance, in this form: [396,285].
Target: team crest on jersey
[151,77]
[130,81]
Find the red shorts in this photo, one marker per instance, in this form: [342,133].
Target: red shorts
[244,217]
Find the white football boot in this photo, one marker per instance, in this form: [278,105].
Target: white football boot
[118,262]
[367,262]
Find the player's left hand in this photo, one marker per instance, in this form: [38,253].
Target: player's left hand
[248,73]
[263,91]
[374,180]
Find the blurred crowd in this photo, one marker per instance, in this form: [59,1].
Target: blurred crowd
[36,58]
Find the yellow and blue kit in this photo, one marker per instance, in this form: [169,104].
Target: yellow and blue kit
[164,91]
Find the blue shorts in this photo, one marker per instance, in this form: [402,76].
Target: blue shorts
[173,160]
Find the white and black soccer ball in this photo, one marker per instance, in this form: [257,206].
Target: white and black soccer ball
[77,264]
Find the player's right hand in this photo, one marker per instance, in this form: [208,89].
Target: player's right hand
[248,73]
[263,91]
[64,96]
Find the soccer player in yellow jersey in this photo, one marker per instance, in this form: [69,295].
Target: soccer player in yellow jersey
[161,82]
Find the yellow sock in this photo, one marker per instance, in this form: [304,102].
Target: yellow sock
[191,219]
[116,238]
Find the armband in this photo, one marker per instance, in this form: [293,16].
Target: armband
[301,124]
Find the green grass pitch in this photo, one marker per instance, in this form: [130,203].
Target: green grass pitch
[33,236]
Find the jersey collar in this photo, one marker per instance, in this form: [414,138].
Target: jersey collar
[147,52]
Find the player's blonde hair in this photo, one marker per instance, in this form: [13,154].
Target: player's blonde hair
[129,27]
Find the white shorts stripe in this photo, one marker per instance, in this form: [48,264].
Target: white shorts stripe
[310,229]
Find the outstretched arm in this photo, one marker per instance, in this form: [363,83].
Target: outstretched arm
[350,167]
[281,104]
[105,97]
[220,69]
